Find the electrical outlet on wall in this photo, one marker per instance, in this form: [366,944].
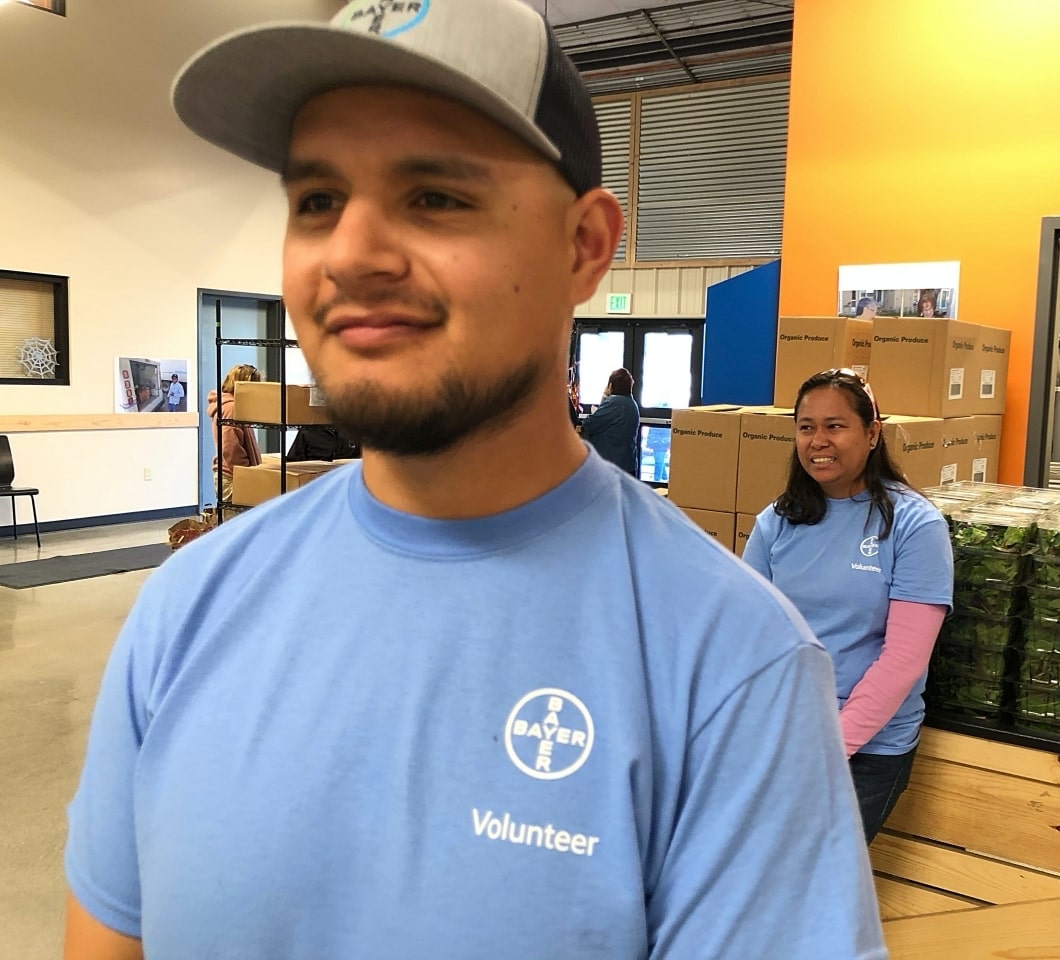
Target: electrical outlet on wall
[147,474]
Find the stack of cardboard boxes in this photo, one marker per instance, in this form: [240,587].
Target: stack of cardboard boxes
[951,377]
[260,403]
[254,485]
[940,385]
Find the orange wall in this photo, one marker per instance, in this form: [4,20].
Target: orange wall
[927,130]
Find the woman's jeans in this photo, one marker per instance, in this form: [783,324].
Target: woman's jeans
[879,781]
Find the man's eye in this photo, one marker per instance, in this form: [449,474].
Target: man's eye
[433,200]
[316,203]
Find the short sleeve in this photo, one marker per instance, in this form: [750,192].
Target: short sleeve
[756,553]
[769,834]
[923,558]
[101,853]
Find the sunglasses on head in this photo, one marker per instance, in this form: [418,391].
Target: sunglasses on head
[845,374]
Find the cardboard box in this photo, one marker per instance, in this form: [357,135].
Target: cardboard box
[972,445]
[719,525]
[990,372]
[986,448]
[916,445]
[254,485]
[260,403]
[704,452]
[933,368]
[745,523]
[767,442]
[808,345]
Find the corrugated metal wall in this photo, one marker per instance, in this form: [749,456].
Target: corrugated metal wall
[699,172]
[614,120]
[711,173]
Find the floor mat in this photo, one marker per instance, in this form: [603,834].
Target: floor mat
[81,566]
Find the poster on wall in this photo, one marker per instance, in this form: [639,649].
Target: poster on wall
[899,290]
[145,385]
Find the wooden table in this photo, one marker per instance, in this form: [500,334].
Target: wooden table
[1013,931]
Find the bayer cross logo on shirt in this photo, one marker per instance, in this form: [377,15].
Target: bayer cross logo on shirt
[549,734]
[870,546]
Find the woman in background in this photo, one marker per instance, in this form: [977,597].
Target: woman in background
[239,446]
[927,305]
[612,427]
[867,561]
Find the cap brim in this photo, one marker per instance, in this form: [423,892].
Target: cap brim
[243,91]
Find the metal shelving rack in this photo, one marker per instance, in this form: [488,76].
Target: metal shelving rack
[281,343]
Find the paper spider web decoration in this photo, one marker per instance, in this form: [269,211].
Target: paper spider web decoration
[38,358]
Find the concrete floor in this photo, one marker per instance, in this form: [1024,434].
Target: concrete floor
[54,642]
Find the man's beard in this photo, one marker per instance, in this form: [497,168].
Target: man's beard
[410,424]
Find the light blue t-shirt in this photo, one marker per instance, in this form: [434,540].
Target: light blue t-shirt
[842,577]
[332,730]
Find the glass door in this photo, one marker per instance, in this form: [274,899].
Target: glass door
[666,360]
[599,350]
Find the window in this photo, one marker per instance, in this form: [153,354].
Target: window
[34,341]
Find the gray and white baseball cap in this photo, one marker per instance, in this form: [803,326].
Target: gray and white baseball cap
[498,57]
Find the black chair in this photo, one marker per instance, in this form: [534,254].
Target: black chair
[7,474]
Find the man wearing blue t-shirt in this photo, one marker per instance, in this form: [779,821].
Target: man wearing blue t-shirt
[379,717]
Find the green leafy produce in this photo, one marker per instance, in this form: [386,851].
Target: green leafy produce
[970,662]
[978,565]
[994,536]
[1040,671]
[989,598]
[980,697]
[1038,710]
[1041,637]
[1044,603]
[1048,542]
[975,632]
[1045,572]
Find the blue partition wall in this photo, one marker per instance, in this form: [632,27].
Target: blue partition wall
[740,341]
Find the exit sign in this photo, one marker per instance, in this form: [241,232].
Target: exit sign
[619,303]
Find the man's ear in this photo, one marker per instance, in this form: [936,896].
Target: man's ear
[598,225]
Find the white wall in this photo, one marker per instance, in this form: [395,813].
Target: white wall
[139,215]
[100,473]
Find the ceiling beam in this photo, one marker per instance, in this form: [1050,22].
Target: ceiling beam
[666,44]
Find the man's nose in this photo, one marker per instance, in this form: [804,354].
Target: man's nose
[364,243]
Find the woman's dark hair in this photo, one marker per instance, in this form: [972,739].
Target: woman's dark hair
[803,500]
[927,296]
[621,383]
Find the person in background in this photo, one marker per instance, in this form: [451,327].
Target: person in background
[612,427]
[378,717]
[659,443]
[927,305]
[867,561]
[321,442]
[866,308]
[174,394]
[239,446]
